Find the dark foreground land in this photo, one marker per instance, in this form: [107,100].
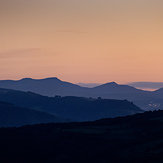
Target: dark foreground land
[135,139]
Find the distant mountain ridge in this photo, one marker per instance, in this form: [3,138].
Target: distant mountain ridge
[51,87]
[46,87]
[54,86]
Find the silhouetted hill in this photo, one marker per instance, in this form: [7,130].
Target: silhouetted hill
[11,115]
[146,100]
[46,87]
[75,108]
[159,92]
[114,87]
[136,139]
[54,86]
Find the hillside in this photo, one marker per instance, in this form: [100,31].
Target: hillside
[146,100]
[14,116]
[46,87]
[74,108]
[137,138]
[54,86]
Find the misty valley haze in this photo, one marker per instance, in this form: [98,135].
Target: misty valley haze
[147,85]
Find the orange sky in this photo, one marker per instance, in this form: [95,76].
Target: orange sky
[82,40]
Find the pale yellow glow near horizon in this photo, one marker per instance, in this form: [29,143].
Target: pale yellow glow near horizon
[82,41]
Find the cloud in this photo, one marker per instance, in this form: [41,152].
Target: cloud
[20,53]
[68,31]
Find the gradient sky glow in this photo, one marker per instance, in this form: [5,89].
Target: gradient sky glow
[82,40]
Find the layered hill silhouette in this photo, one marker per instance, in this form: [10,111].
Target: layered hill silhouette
[14,116]
[136,138]
[46,87]
[70,107]
[51,87]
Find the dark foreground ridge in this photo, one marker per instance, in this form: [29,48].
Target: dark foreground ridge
[137,138]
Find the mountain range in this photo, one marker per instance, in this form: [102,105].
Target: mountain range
[103,125]
[146,100]
[70,107]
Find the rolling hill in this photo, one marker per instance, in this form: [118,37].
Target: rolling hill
[46,87]
[14,116]
[146,100]
[74,108]
[137,138]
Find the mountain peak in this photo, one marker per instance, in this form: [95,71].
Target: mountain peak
[106,85]
[26,79]
[113,83]
[110,84]
[50,78]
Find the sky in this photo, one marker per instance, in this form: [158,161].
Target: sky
[85,41]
